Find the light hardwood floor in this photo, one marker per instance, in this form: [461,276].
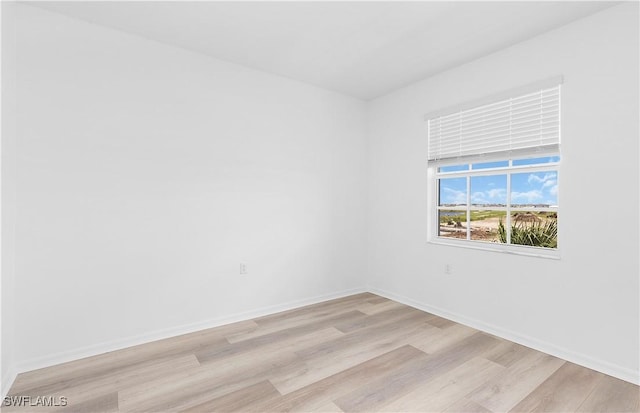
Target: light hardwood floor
[361,353]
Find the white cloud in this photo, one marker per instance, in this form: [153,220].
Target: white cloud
[452,196]
[491,196]
[549,183]
[553,190]
[529,196]
[533,178]
[479,198]
[497,193]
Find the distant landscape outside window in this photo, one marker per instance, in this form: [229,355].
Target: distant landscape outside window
[475,199]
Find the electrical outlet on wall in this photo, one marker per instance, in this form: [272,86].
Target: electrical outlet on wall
[243,268]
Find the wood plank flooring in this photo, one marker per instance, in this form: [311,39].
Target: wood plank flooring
[361,353]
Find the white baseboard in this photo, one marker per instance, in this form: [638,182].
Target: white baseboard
[610,369]
[7,381]
[93,350]
[620,372]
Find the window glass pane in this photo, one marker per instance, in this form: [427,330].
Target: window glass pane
[536,161]
[489,190]
[484,225]
[536,229]
[533,198]
[453,224]
[487,165]
[452,192]
[534,190]
[454,168]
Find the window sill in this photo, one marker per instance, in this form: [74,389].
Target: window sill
[499,248]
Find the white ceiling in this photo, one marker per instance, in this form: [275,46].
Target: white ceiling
[362,49]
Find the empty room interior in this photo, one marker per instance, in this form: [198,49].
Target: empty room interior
[320,206]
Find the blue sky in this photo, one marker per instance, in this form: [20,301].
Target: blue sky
[526,187]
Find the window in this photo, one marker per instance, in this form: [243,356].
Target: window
[494,173]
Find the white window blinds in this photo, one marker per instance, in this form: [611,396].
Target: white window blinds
[527,121]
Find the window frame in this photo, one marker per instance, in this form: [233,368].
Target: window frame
[434,207]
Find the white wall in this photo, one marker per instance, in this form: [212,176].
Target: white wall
[8,194]
[583,307]
[147,173]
